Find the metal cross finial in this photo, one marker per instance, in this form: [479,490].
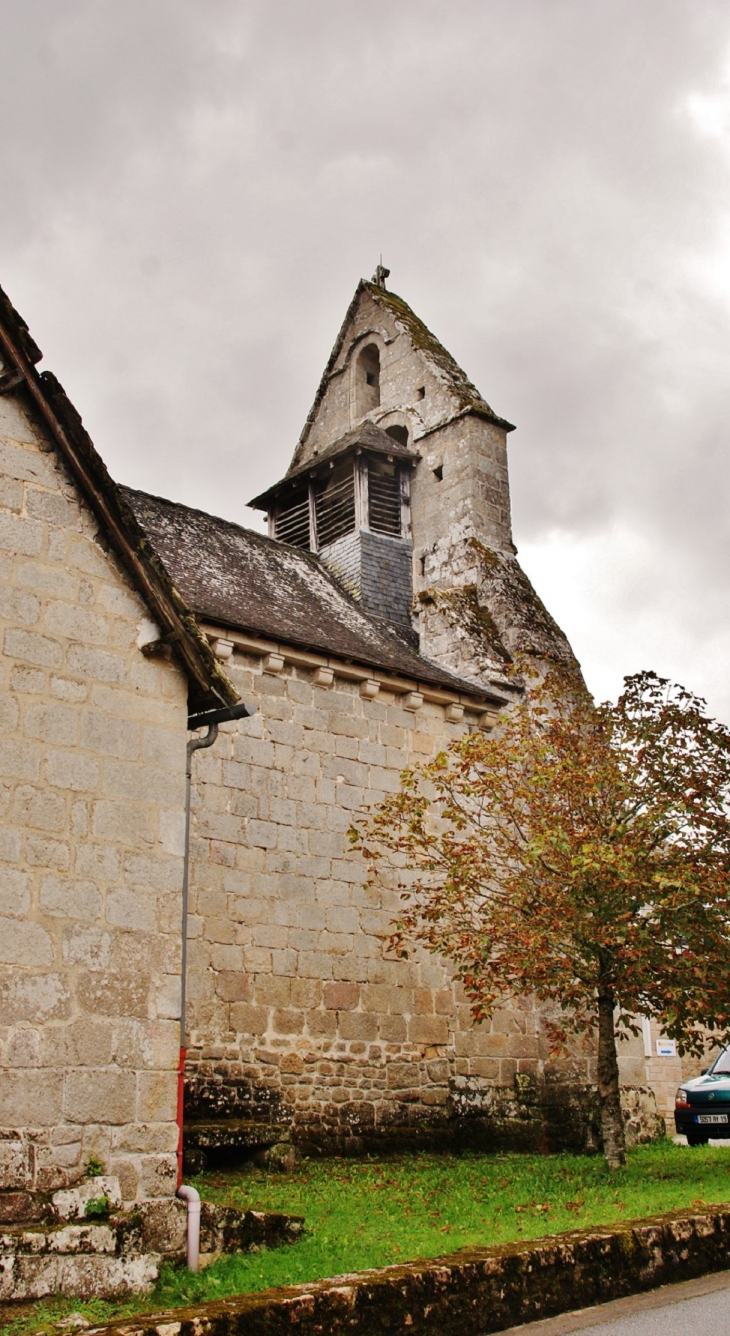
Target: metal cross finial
[380,275]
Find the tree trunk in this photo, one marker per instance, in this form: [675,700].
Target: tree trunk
[612,1123]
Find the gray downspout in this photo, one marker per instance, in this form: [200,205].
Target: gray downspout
[210,719]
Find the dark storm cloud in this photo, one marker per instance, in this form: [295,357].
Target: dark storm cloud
[191,191]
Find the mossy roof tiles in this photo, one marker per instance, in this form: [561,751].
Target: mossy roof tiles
[240,579]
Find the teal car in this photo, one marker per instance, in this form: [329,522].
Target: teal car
[702,1105]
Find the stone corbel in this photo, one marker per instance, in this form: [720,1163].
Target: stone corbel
[454,713]
[223,649]
[412,701]
[369,688]
[488,720]
[273,663]
[323,677]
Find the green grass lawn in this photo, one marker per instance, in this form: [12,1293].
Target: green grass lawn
[371,1213]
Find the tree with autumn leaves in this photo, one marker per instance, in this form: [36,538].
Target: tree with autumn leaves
[581,854]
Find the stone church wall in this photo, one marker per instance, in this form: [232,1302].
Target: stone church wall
[460,490]
[92,773]
[298,1012]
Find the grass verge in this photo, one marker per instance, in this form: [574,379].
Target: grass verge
[372,1213]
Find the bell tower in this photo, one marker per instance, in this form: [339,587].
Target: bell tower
[400,484]
[351,504]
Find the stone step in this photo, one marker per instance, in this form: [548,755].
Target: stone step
[267,1144]
[243,1133]
[123,1254]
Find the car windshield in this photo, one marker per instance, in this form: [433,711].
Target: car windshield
[721,1065]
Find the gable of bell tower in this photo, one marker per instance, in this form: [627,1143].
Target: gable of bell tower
[389,369]
[396,423]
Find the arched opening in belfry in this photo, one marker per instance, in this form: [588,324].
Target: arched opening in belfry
[367,380]
[398,433]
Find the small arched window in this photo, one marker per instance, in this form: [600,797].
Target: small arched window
[367,380]
[398,433]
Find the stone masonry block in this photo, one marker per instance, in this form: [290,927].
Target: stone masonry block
[97,1096]
[25,943]
[19,759]
[306,993]
[16,892]
[271,991]
[232,986]
[132,909]
[97,664]
[53,723]
[21,536]
[322,1024]
[246,1019]
[111,993]
[33,999]
[65,898]
[72,770]
[403,1075]
[109,736]
[428,1030]
[31,648]
[315,965]
[71,622]
[31,1098]
[361,1025]
[341,996]
[15,1166]
[156,1097]
[126,822]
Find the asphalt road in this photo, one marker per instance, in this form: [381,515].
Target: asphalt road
[674,1310]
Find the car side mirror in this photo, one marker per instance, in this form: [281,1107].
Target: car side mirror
[704,1071]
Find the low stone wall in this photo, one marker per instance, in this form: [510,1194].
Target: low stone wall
[478,1290]
[530,1115]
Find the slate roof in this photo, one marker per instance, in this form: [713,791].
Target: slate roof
[240,579]
[367,437]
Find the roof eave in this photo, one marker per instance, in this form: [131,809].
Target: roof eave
[322,387]
[471,410]
[208,681]
[459,687]
[354,447]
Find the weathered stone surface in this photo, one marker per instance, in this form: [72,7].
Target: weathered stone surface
[83,926]
[479,1290]
[225,1230]
[71,1203]
[81,1276]
[21,1207]
[123,1254]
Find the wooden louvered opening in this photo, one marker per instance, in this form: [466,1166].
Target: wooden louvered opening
[292,520]
[334,504]
[384,503]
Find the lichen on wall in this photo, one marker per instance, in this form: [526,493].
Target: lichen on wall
[487,617]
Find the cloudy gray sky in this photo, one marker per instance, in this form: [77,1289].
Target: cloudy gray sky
[192,188]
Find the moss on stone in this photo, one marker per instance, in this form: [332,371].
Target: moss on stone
[523,623]
[463,609]
[477,1289]
[422,339]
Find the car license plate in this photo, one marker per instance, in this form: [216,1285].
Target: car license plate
[711,1118]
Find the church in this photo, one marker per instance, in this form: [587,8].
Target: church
[379,619]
